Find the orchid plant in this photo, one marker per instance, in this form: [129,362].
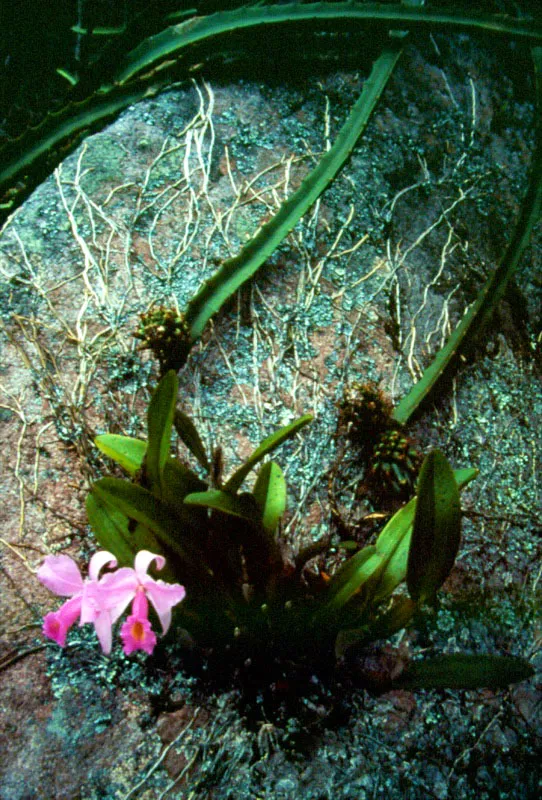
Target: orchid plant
[247,599]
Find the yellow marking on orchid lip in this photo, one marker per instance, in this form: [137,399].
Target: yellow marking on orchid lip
[138,631]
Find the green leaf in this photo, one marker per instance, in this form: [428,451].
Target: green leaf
[463,671]
[159,423]
[437,528]
[393,620]
[394,540]
[72,79]
[141,505]
[346,639]
[108,31]
[190,437]
[176,38]
[352,578]
[243,505]
[270,494]
[378,569]
[177,482]
[238,269]
[125,450]
[110,527]
[116,533]
[26,159]
[477,317]
[266,447]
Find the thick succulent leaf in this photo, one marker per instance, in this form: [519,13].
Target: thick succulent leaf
[353,577]
[177,482]
[169,42]
[141,505]
[125,450]
[159,422]
[464,671]
[270,494]
[437,528]
[33,155]
[394,540]
[393,620]
[27,159]
[266,447]
[243,505]
[110,526]
[189,435]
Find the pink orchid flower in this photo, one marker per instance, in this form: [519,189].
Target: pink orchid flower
[61,575]
[128,584]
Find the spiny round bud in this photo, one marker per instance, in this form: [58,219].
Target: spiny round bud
[394,463]
[165,331]
[364,413]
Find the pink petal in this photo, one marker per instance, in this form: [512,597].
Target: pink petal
[140,606]
[98,562]
[102,626]
[61,575]
[144,559]
[53,628]
[116,590]
[57,623]
[164,596]
[91,604]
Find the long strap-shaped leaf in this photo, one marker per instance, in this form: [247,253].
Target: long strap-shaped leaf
[159,423]
[264,449]
[437,528]
[65,127]
[235,271]
[170,41]
[494,288]
[46,144]
[464,671]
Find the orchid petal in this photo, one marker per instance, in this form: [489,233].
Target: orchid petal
[163,597]
[54,629]
[91,602]
[144,559]
[117,589]
[102,626]
[98,562]
[57,623]
[61,575]
[140,606]
[136,633]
